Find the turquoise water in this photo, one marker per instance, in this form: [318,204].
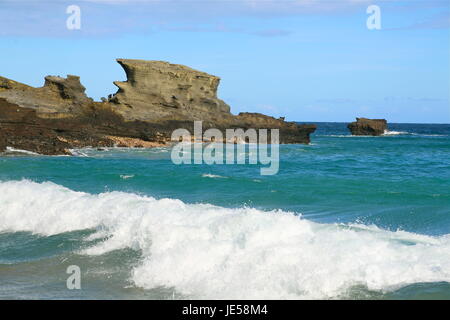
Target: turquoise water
[345,217]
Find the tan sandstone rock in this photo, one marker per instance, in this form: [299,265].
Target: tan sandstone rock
[158,90]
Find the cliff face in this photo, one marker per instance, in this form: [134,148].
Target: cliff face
[157,90]
[157,98]
[368,127]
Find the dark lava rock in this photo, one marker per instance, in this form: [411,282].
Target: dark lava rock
[368,127]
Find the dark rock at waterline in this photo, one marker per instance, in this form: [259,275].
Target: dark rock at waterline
[2,141]
[368,127]
[157,98]
[95,125]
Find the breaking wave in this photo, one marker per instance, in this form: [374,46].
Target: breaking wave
[395,133]
[206,251]
[19,151]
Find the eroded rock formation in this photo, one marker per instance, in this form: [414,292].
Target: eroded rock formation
[368,127]
[59,97]
[157,98]
[157,90]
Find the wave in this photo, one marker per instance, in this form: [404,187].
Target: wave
[206,251]
[346,136]
[20,151]
[126,176]
[79,152]
[209,175]
[386,133]
[405,133]
[395,133]
[429,135]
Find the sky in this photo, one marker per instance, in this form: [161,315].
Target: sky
[306,60]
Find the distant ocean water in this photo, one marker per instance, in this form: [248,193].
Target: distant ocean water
[345,218]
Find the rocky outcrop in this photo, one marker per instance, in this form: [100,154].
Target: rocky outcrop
[368,127]
[157,98]
[290,132]
[157,90]
[96,125]
[69,88]
[59,97]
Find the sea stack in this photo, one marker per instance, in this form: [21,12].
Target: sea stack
[157,98]
[368,127]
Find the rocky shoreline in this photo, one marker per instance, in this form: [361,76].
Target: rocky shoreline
[157,98]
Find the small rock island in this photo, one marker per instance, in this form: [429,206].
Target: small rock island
[368,127]
[157,98]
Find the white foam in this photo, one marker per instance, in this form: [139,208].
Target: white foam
[78,152]
[214,176]
[386,133]
[394,133]
[205,251]
[14,150]
[344,136]
[126,176]
[429,135]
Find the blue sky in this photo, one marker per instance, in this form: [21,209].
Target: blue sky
[308,60]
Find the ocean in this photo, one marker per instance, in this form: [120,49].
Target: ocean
[345,218]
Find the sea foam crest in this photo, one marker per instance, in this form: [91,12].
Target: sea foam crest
[394,133]
[205,251]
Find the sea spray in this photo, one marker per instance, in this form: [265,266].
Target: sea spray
[206,251]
